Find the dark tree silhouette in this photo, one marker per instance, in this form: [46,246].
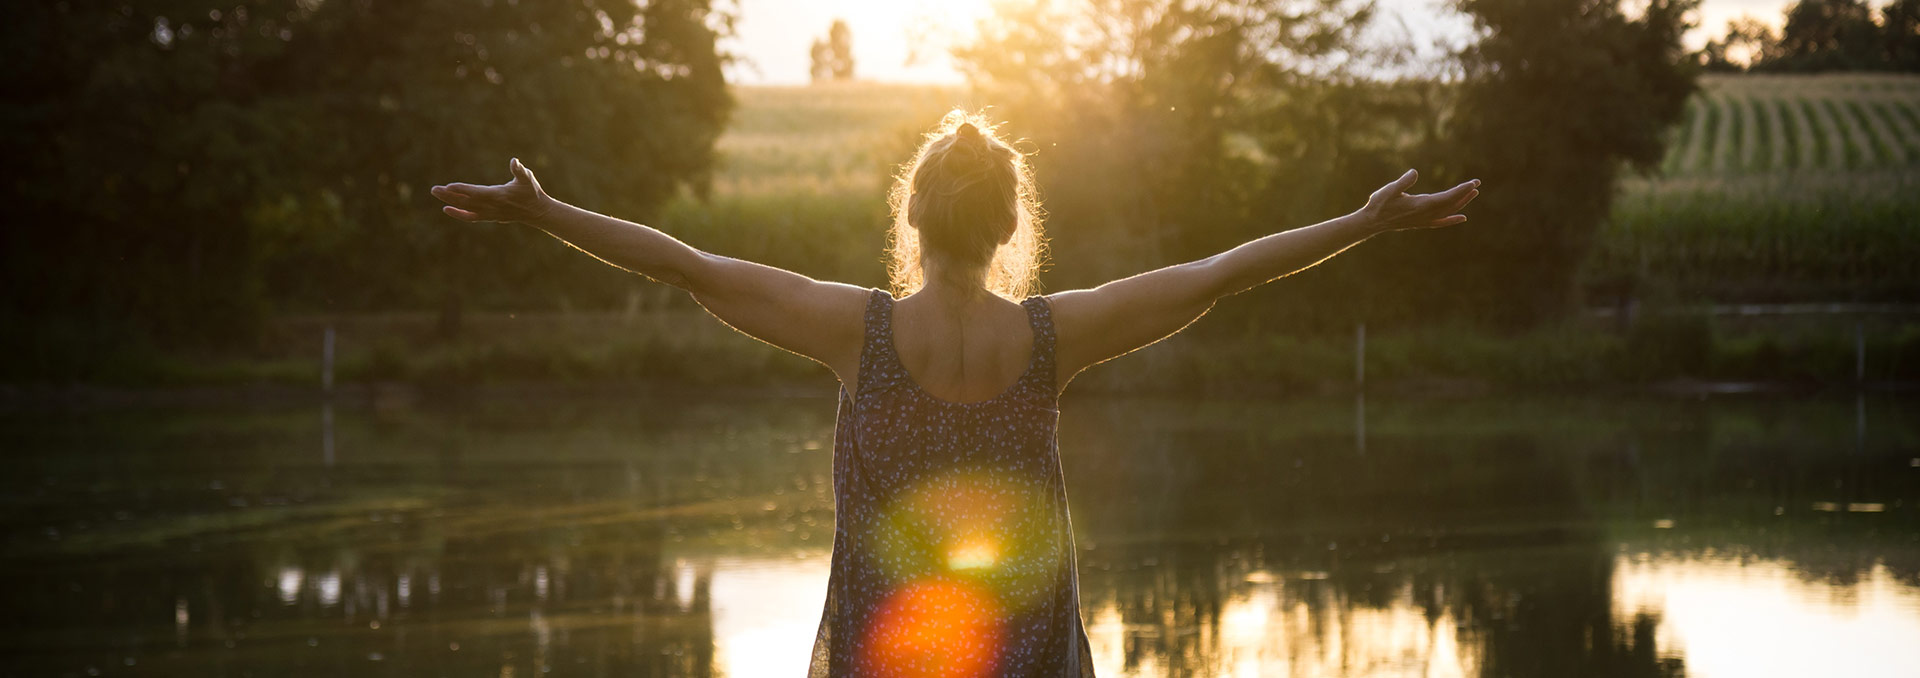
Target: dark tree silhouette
[1560,97]
[1751,38]
[188,165]
[1900,23]
[1823,35]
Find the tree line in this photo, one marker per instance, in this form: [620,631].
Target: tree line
[184,169]
[1822,35]
[1167,130]
[181,169]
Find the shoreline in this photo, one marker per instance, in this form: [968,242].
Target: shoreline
[19,398]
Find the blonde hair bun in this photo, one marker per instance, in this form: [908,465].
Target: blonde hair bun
[966,196]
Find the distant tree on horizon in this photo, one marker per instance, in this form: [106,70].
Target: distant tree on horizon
[1900,23]
[1747,35]
[833,56]
[1823,35]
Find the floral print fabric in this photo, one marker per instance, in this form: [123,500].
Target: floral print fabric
[953,549]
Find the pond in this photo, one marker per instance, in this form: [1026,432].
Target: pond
[630,535]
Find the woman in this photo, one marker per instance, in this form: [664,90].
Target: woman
[952,554]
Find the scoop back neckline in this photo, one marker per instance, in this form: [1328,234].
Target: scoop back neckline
[1033,353]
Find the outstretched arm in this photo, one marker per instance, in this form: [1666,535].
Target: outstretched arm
[1120,317]
[816,319]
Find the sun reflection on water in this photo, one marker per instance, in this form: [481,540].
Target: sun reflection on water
[1729,618]
[1273,627]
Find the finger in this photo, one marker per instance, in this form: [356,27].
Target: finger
[460,214]
[1405,181]
[452,197]
[1457,191]
[519,171]
[475,190]
[1465,200]
[1454,220]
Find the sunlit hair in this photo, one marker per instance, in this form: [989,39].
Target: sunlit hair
[962,193]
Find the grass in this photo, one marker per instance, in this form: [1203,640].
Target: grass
[688,349]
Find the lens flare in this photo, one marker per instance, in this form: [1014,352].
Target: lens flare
[936,628]
[981,528]
[977,553]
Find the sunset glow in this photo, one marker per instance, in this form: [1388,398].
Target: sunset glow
[910,40]
[893,41]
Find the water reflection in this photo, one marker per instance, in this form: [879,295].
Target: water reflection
[632,537]
[1744,617]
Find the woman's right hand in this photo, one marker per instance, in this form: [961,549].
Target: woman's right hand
[518,200]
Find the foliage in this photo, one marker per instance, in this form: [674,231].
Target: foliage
[1827,35]
[1748,37]
[1559,98]
[188,164]
[1900,24]
[1167,130]
[833,57]
[1823,35]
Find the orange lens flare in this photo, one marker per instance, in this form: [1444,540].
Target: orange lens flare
[934,628]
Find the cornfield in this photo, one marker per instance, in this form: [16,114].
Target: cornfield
[1759,125]
[1779,188]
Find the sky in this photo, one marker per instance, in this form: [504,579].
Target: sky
[907,40]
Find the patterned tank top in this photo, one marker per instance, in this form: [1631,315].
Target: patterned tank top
[952,550]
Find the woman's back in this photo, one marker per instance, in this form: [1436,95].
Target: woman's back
[966,351]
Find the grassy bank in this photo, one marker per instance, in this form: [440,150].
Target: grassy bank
[680,347]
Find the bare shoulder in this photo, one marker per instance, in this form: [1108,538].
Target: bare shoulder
[1074,311]
[841,300]
[839,310]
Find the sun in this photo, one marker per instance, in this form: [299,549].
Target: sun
[893,40]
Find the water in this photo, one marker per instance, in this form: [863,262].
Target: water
[631,536]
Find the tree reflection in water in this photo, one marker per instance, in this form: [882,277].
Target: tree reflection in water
[633,537]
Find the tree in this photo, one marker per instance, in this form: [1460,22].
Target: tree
[189,164]
[1824,35]
[1157,122]
[1559,97]
[833,57]
[1167,130]
[1748,42]
[1900,23]
[822,70]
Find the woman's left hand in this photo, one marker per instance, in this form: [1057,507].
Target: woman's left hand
[519,200]
[1391,208]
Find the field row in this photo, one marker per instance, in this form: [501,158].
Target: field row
[1760,125]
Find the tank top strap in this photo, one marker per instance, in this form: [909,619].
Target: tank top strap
[878,366]
[1040,317]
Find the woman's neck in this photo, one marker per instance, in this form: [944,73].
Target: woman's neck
[953,284]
